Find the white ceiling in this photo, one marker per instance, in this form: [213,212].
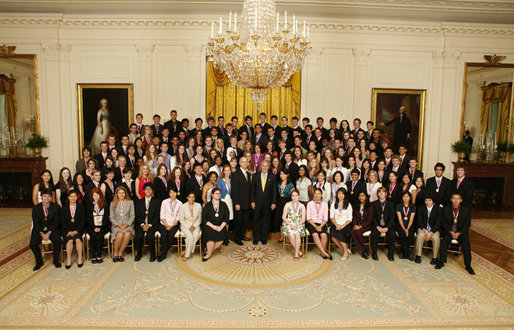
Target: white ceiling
[472,11]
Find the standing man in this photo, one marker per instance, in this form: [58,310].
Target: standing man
[147,221]
[45,226]
[195,183]
[157,127]
[241,191]
[173,124]
[139,123]
[248,127]
[456,223]
[463,186]
[439,187]
[402,128]
[263,196]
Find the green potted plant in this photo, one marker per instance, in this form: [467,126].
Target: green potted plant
[462,149]
[37,143]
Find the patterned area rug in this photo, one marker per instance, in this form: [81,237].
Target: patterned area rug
[260,287]
[500,230]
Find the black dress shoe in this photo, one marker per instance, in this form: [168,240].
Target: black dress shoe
[94,261]
[418,259]
[68,266]
[246,239]
[80,265]
[390,258]
[121,259]
[323,256]
[374,257]
[264,242]
[433,261]
[137,258]
[439,265]
[57,264]
[152,259]
[365,254]
[160,259]
[470,270]
[205,259]
[115,259]
[37,267]
[330,257]
[99,261]
[410,258]
[255,242]
[239,243]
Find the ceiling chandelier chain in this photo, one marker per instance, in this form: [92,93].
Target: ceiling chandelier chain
[260,51]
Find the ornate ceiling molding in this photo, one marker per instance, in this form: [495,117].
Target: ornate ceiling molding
[402,27]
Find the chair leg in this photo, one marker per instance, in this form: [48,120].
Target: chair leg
[284,244]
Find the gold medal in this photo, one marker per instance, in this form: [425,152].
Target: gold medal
[72,220]
[281,195]
[405,218]
[351,192]
[146,212]
[382,215]
[121,214]
[437,190]
[178,193]
[389,196]
[173,214]
[217,215]
[46,218]
[455,220]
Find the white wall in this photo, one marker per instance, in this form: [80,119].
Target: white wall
[165,60]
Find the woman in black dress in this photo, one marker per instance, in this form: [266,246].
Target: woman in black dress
[161,182]
[108,186]
[215,216]
[177,180]
[405,227]
[420,191]
[97,216]
[73,220]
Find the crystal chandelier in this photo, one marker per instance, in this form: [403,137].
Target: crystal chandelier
[259,52]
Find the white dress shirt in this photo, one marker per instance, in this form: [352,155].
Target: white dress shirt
[167,209]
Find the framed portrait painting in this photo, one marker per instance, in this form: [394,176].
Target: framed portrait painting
[103,109]
[399,114]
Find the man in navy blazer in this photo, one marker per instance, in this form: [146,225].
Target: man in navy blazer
[263,201]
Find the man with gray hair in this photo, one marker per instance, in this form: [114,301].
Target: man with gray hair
[263,196]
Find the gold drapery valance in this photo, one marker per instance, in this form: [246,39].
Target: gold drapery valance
[7,88]
[500,93]
[226,99]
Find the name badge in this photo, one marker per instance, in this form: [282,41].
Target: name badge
[98,220]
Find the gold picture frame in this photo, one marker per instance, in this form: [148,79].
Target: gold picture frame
[385,104]
[117,118]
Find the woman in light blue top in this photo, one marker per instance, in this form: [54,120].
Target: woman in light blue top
[225,185]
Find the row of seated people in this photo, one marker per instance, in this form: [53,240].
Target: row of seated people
[263,192]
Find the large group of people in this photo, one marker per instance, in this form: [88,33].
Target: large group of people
[341,184]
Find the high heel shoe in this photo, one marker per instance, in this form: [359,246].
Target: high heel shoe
[68,266]
[80,265]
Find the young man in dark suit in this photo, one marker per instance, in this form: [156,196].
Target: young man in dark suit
[384,216]
[45,226]
[263,196]
[157,126]
[463,186]
[354,187]
[429,224]
[195,183]
[264,124]
[456,223]
[173,124]
[439,186]
[147,221]
[248,127]
[241,187]
[412,170]
[102,155]
[291,167]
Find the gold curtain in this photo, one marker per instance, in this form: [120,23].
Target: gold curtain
[226,99]
[11,109]
[502,94]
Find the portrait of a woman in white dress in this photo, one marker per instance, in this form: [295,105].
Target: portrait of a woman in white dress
[102,126]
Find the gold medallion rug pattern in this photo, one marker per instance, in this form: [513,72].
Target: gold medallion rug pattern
[258,286]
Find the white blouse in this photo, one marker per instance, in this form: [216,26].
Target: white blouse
[326,188]
[372,190]
[169,211]
[303,188]
[341,216]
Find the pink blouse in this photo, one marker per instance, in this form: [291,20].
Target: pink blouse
[317,213]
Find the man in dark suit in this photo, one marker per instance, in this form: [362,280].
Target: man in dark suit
[102,156]
[147,221]
[412,170]
[241,187]
[402,128]
[404,158]
[355,187]
[456,223]
[157,126]
[264,124]
[173,124]
[198,127]
[286,127]
[463,186]
[308,136]
[469,140]
[45,226]
[263,196]
[260,137]
[428,221]
[291,167]
[221,126]
[384,216]
[248,127]
[96,176]
[439,186]
[195,183]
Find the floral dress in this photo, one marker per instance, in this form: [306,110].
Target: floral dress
[294,217]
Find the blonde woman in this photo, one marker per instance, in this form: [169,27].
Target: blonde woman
[372,185]
[122,222]
[150,154]
[144,177]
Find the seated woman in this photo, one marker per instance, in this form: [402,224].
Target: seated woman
[73,220]
[214,223]
[97,216]
[169,225]
[190,217]
[362,218]
[122,217]
[405,211]
[293,224]
[317,217]
[341,213]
